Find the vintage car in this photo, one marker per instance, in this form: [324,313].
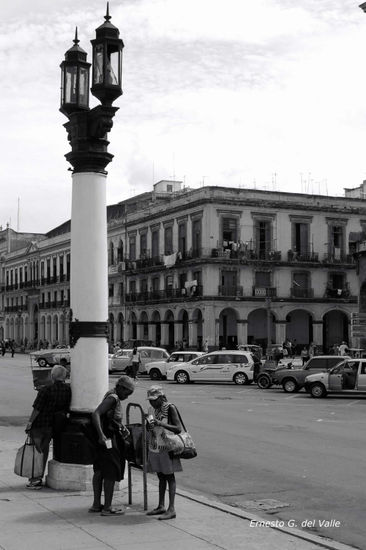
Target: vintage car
[347,377]
[292,380]
[158,369]
[121,360]
[216,366]
[60,355]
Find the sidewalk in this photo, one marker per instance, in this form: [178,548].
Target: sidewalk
[58,520]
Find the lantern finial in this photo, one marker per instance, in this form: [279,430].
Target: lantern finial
[107,17]
[76,40]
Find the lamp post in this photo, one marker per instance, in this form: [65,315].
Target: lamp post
[87,131]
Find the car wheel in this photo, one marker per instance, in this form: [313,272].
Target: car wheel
[264,381]
[181,377]
[318,390]
[240,378]
[155,374]
[42,362]
[290,386]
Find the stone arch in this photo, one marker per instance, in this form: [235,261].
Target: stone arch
[228,331]
[197,328]
[120,328]
[183,333]
[335,328]
[156,323]
[169,320]
[133,325]
[259,327]
[299,328]
[111,328]
[55,330]
[144,323]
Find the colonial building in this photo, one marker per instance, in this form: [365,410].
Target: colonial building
[220,264]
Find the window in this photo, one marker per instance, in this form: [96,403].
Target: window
[228,279]
[132,247]
[229,231]
[182,280]
[263,237]
[169,283]
[143,244]
[262,279]
[132,287]
[156,283]
[111,254]
[206,360]
[196,235]
[336,280]
[110,291]
[182,238]
[155,243]
[168,240]
[300,238]
[320,363]
[120,251]
[143,285]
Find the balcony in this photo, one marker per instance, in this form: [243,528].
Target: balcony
[231,291]
[162,295]
[245,253]
[293,256]
[331,292]
[264,291]
[339,258]
[298,292]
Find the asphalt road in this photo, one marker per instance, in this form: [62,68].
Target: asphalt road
[284,456]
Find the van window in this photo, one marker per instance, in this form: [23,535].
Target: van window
[206,360]
[240,359]
[156,354]
[225,358]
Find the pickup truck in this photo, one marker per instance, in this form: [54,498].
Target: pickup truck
[292,380]
[347,377]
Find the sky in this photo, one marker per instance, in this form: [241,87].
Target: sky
[265,94]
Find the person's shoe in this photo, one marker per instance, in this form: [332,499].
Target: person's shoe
[34,485]
[168,515]
[156,512]
[113,511]
[95,510]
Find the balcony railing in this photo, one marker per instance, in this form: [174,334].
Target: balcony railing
[243,254]
[264,291]
[298,292]
[235,291]
[339,258]
[331,292]
[293,256]
[167,294]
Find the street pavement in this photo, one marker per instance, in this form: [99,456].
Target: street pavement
[59,520]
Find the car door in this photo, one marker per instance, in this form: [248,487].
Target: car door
[121,359]
[335,380]
[361,377]
[221,369]
[203,368]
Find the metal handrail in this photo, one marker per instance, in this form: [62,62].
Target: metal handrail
[130,465]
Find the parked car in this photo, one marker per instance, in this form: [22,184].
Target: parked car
[123,358]
[216,366]
[347,377]
[158,369]
[294,379]
[60,355]
[130,344]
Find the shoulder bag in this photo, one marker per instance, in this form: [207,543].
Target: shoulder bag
[189,448]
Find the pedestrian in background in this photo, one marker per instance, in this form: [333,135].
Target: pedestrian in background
[12,347]
[109,462]
[50,400]
[343,349]
[304,355]
[3,348]
[162,416]
[135,362]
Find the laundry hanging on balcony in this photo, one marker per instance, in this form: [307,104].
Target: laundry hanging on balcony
[169,261]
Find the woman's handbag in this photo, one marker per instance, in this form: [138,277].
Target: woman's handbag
[189,449]
[28,461]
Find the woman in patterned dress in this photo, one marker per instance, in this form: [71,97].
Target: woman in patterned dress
[162,416]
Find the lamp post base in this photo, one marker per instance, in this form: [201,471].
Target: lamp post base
[69,477]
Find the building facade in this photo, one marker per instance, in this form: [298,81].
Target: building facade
[216,264]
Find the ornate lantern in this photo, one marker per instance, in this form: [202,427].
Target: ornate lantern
[74,80]
[107,62]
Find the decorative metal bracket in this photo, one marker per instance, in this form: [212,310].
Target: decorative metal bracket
[88,329]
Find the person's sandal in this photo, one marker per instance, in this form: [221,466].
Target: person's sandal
[168,515]
[113,512]
[94,510]
[34,485]
[156,512]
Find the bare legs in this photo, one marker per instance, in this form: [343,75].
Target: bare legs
[165,479]
[98,484]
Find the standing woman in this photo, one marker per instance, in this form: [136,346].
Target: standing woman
[135,362]
[109,463]
[162,416]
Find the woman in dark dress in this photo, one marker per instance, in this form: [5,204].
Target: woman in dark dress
[162,416]
[109,463]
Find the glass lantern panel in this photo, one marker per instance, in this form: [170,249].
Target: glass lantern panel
[62,85]
[71,85]
[84,87]
[98,64]
[112,69]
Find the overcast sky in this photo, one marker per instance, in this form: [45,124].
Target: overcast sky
[251,93]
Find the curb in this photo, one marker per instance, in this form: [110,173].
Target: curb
[309,537]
